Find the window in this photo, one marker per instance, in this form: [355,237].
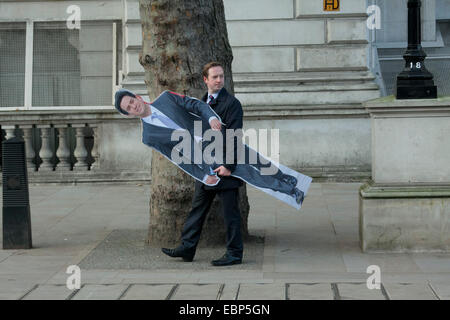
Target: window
[70,67]
[12,64]
[56,65]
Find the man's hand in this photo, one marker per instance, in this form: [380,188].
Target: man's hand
[222,171]
[212,180]
[215,124]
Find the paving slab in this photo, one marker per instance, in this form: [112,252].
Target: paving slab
[196,292]
[316,277]
[350,291]
[51,246]
[442,289]
[134,221]
[229,291]
[228,277]
[270,240]
[5,254]
[148,292]
[100,292]
[432,262]
[25,263]
[265,291]
[67,196]
[409,291]
[314,291]
[416,277]
[87,277]
[149,277]
[12,290]
[387,262]
[49,292]
[310,249]
[355,261]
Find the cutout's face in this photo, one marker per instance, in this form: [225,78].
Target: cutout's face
[215,80]
[134,106]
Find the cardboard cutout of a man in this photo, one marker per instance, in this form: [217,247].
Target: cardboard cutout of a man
[172,111]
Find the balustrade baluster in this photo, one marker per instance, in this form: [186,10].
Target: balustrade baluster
[45,153]
[63,152]
[80,152]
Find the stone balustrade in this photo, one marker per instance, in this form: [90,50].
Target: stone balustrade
[53,136]
[79,145]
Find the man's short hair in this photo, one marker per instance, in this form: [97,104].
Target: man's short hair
[118,99]
[209,66]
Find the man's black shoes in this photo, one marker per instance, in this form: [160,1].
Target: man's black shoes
[179,252]
[226,260]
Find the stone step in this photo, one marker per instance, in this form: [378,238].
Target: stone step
[305,107]
[275,88]
[309,98]
[303,111]
[304,77]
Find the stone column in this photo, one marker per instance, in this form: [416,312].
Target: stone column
[45,153]
[407,205]
[80,152]
[63,152]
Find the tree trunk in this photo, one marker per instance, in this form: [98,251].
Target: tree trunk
[179,37]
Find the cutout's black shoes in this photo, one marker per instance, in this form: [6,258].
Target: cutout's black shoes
[298,195]
[179,252]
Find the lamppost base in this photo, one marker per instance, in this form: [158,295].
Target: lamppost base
[416,91]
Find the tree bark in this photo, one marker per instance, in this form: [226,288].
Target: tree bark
[179,37]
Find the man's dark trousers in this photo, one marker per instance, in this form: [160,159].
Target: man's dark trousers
[201,204]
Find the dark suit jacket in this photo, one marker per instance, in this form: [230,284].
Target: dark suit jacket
[230,111]
[183,111]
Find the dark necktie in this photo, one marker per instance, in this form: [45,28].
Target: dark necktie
[211,99]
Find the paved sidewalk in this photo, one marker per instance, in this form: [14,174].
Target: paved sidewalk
[308,254]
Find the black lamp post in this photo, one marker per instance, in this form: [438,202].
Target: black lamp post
[415,81]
